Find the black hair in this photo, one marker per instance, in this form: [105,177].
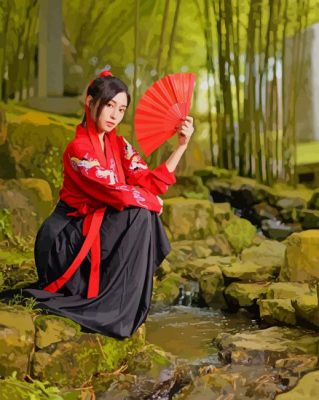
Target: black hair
[104,89]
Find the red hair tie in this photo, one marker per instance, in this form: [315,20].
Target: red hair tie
[106,72]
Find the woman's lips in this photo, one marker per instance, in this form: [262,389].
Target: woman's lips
[110,123]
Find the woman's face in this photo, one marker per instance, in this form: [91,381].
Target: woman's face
[112,113]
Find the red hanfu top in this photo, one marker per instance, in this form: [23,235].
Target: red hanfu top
[94,179]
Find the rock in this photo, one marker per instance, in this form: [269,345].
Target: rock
[287,290]
[264,211]
[211,286]
[222,211]
[313,203]
[302,257]
[163,270]
[167,290]
[244,294]
[36,142]
[290,203]
[240,233]
[269,253]
[150,361]
[249,272]
[277,230]
[307,308]
[266,346]
[53,329]
[194,268]
[191,187]
[16,340]
[307,388]
[189,218]
[71,363]
[310,219]
[28,202]
[277,310]
[17,269]
[298,364]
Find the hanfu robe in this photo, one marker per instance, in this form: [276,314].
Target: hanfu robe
[106,229]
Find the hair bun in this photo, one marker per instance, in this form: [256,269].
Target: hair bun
[106,72]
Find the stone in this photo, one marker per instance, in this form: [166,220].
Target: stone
[211,286]
[28,202]
[307,308]
[189,218]
[16,340]
[266,346]
[298,364]
[53,329]
[190,187]
[167,290]
[269,253]
[276,230]
[302,257]
[71,363]
[307,388]
[277,310]
[313,203]
[245,294]
[310,219]
[249,271]
[240,233]
[287,290]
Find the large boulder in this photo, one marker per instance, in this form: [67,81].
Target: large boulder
[302,257]
[26,203]
[268,254]
[189,218]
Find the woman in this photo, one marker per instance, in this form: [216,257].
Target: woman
[97,252]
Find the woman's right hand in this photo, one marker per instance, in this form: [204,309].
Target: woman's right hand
[161,202]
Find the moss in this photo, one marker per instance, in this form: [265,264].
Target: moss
[240,233]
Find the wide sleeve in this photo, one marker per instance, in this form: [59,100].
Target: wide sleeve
[86,173]
[138,173]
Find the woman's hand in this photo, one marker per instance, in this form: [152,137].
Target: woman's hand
[185,131]
[161,202]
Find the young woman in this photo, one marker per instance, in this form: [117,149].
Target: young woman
[96,254]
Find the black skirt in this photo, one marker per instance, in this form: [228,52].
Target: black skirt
[133,245]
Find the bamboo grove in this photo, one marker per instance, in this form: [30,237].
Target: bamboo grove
[254,57]
[252,107]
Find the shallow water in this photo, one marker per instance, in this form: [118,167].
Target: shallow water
[187,332]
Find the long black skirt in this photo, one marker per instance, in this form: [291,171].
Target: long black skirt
[133,245]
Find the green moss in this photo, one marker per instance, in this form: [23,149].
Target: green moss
[240,233]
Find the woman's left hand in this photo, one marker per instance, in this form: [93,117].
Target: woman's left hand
[185,131]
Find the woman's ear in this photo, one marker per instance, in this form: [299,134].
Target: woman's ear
[88,100]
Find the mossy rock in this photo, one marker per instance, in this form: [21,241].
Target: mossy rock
[240,233]
[277,310]
[302,257]
[307,388]
[189,218]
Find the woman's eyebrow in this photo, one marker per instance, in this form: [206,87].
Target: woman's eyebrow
[124,105]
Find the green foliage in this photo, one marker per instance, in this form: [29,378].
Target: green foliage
[52,168]
[33,390]
[5,224]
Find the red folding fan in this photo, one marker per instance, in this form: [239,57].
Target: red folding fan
[161,108]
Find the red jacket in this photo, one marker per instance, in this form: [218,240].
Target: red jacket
[93,180]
